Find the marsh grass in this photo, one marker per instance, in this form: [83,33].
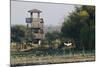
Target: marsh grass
[49,56]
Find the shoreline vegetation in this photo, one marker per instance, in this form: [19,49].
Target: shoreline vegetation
[40,60]
[41,57]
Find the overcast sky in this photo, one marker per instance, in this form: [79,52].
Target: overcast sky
[53,14]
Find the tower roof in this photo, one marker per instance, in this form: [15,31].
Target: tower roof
[34,11]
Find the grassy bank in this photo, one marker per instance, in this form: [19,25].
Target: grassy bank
[50,59]
[36,56]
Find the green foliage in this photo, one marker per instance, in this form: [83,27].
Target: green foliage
[51,36]
[17,33]
[80,26]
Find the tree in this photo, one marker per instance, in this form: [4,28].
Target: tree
[17,33]
[51,37]
[80,26]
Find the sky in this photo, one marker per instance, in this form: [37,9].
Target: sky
[53,14]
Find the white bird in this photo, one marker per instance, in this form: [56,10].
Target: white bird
[39,42]
[67,44]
